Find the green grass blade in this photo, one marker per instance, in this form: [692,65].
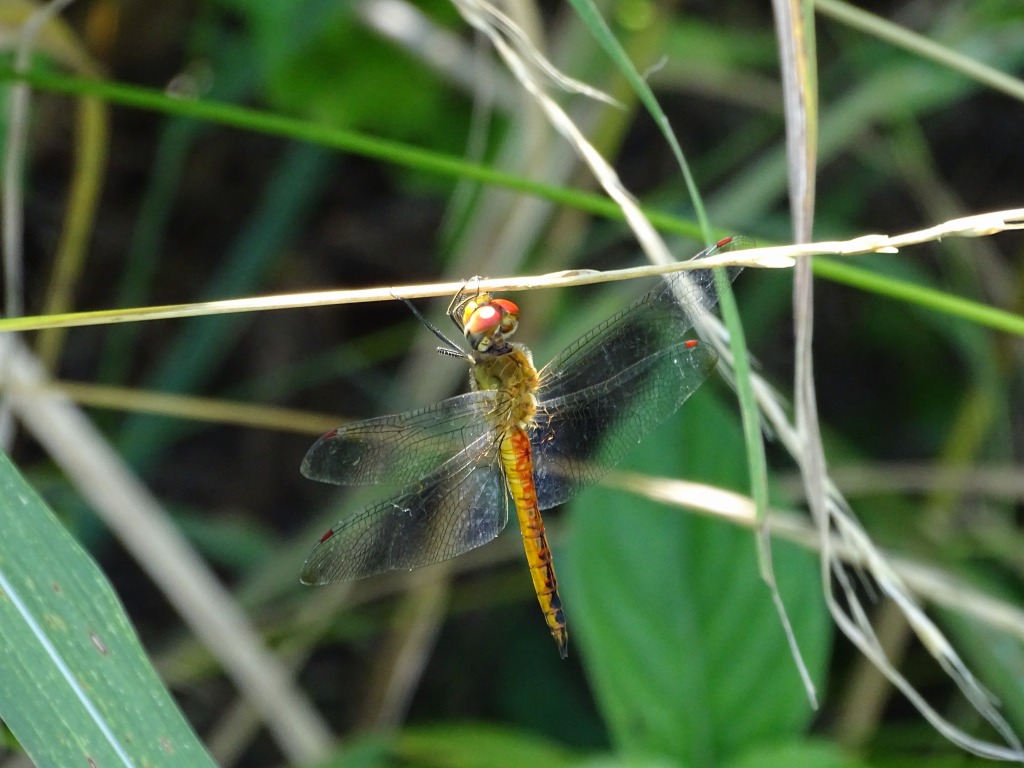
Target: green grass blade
[394,152]
[78,688]
[593,20]
[903,37]
[885,285]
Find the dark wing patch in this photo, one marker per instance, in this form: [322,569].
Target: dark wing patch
[657,321]
[579,436]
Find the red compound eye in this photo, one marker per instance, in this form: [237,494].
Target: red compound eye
[510,315]
[506,305]
[485,319]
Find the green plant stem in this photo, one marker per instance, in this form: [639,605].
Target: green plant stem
[335,138]
[982,314]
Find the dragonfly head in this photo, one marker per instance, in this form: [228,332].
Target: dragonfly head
[488,322]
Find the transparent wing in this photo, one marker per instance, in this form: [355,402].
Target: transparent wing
[401,448]
[458,508]
[579,436]
[657,321]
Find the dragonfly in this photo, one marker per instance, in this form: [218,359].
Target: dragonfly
[535,436]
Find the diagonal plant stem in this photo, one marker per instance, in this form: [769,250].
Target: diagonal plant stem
[829,510]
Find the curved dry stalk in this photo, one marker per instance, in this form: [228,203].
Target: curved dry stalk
[833,517]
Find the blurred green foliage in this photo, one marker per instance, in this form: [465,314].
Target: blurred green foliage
[677,655]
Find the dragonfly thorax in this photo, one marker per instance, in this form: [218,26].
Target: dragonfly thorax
[513,376]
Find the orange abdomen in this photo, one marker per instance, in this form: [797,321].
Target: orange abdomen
[518,462]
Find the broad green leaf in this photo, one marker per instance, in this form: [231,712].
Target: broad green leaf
[632,761]
[479,746]
[469,745]
[77,686]
[374,750]
[678,632]
[808,754]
